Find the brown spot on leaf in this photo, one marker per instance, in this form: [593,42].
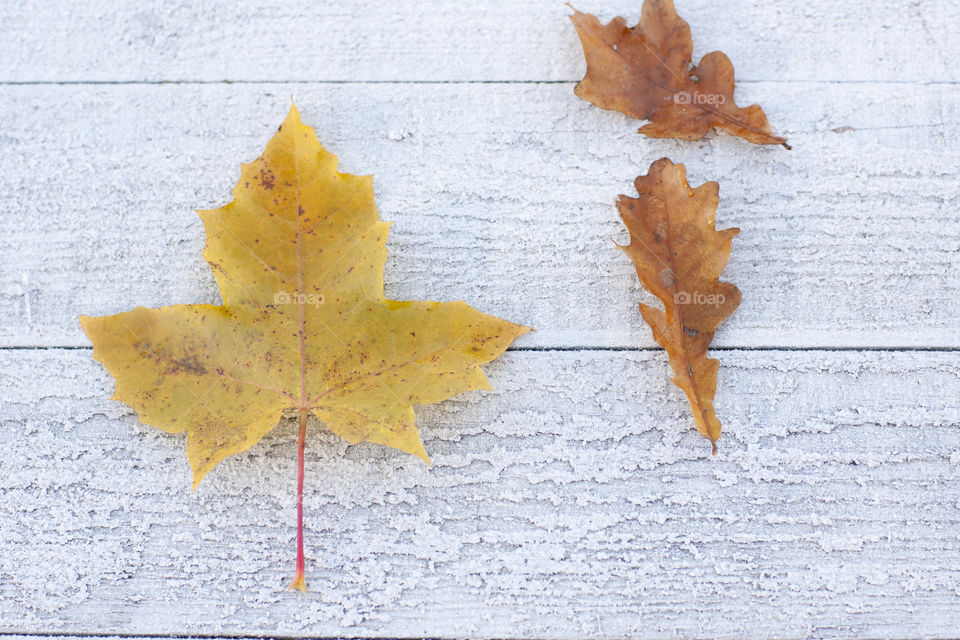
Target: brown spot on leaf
[267,179]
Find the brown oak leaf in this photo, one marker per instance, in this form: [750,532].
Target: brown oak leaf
[645,72]
[679,256]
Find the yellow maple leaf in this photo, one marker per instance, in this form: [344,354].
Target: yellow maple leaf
[304,328]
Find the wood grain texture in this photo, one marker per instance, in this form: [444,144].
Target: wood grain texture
[575,500]
[105,636]
[501,195]
[451,40]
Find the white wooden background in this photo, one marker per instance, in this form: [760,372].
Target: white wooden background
[575,500]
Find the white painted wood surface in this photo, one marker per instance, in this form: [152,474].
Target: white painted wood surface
[501,195]
[575,500]
[451,40]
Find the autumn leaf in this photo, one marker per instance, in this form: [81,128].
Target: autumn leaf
[645,72]
[304,327]
[679,256]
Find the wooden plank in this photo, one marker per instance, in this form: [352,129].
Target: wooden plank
[450,40]
[13,636]
[575,500]
[6,636]
[501,195]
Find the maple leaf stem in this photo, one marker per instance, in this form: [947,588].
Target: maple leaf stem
[298,580]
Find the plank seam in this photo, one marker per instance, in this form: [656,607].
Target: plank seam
[202,636]
[428,82]
[904,349]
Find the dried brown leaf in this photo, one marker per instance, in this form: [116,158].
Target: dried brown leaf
[645,72]
[679,256]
